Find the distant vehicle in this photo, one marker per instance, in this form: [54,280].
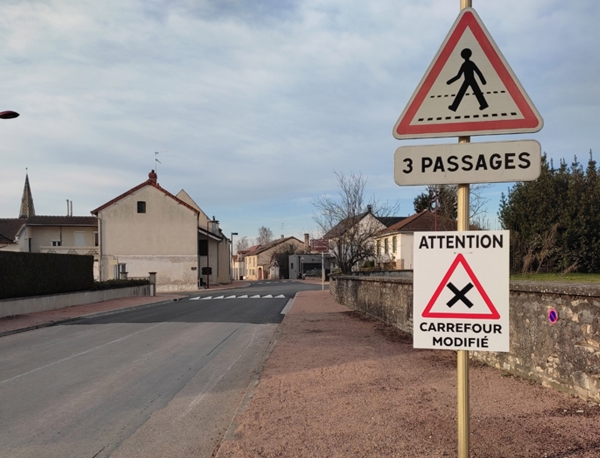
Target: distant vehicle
[313,273]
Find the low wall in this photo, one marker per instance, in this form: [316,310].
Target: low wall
[564,356]
[57,301]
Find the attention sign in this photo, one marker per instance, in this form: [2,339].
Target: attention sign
[461,294]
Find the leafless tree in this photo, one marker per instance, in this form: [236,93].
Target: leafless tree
[242,244]
[350,222]
[265,235]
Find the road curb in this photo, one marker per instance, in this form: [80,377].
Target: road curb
[243,405]
[87,316]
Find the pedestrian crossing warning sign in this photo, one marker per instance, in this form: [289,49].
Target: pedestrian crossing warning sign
[469,89]
[460,290]
[454,297]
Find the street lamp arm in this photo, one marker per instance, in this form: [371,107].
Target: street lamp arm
[8,114]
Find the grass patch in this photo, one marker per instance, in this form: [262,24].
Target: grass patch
[556,277]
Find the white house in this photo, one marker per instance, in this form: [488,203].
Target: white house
[394,244]
[49,234]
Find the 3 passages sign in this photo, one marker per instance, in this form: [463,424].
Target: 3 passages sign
[461,290]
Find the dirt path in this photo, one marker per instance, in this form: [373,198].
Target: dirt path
[338,384]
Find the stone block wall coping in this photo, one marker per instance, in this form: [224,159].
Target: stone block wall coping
[568,289]
[524,286]
[369,278]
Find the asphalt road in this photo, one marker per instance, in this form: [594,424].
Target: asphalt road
[163,380]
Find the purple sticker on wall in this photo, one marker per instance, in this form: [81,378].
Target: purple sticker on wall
[552,316]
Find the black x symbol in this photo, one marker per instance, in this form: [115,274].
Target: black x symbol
[460,295]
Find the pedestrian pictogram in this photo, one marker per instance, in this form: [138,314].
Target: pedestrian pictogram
[469,89]
[468,70]
[451,301]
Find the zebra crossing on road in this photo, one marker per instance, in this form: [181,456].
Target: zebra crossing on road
[241,296]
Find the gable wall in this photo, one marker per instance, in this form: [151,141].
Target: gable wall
[167,227]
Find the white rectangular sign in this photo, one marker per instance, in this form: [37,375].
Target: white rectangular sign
[488,162]
[461,292]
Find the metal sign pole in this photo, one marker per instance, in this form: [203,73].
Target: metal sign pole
[462,357]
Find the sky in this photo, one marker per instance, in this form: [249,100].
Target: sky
[253,106]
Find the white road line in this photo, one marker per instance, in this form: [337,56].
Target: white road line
[281,296]
[268,296]
[195,298]
[257,296]
[288,306]
[230,297]
[245,296]
[206,298]
[219,297]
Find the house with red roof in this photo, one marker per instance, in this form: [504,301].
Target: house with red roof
[148,229]
[394,244]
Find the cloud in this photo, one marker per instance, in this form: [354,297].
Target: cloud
[257,103]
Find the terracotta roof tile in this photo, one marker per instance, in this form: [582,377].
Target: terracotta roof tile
[423,221]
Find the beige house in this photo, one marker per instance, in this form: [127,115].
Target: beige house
[148,229]
[261,262]
[394,245]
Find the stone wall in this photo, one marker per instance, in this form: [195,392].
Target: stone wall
[564,356]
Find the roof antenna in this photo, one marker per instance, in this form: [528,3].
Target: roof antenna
[156,162]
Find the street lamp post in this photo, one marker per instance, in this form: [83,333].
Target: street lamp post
[231,258]
[214,225]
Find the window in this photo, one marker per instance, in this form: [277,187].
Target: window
[141,207]
[394,244]
[79,238]
[386,243]
[95,239]
[378,247]
[55,242]
[121,271]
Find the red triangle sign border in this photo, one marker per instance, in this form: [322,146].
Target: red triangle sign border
[531,121]
[460,259]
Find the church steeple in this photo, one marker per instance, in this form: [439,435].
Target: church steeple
[27,209]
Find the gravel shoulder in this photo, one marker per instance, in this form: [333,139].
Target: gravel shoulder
[339,384]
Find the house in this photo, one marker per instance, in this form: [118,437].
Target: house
[49,234]
[262,261]
[351,241]
[394,244]
[148,229]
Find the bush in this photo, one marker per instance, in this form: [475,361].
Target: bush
[114,284]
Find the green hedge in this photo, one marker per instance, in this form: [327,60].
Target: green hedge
[114,284]
[37,274]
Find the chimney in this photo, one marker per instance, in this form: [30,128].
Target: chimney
[307,243]
[152,177]
[370,208]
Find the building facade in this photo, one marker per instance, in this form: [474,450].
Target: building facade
[148,229]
